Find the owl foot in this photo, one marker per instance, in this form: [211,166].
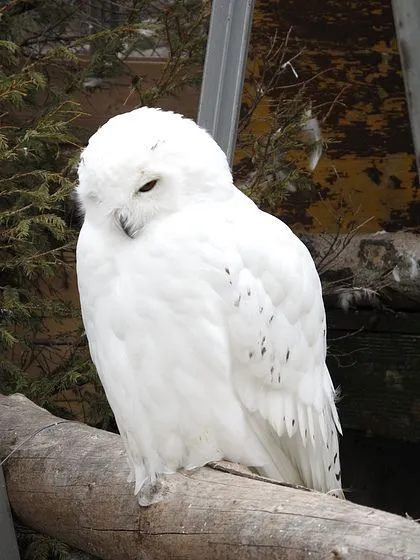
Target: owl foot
[151,492]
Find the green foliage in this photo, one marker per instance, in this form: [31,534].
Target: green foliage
[272,171]
[35,546]
[274,161]
[35,237]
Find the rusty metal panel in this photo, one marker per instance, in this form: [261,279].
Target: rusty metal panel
[351,55]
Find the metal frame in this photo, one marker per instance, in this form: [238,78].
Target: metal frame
[407,25]
[8,545]
[224,71]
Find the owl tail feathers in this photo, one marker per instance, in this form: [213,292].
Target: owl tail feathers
[277,464]
[137,475]
[289,461]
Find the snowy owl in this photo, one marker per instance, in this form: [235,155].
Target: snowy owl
[204,315]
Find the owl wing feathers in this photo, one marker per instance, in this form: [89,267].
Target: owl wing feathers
[276,325]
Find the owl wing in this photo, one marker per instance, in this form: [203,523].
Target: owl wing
[277,333]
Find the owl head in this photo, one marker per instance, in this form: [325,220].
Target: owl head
[146,164]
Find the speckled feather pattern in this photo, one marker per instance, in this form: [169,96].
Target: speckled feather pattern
[204,315]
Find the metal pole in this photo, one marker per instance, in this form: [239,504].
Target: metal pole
[224,71]
[407,24]
[8,545]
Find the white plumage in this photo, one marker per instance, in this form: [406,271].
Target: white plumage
[204,315]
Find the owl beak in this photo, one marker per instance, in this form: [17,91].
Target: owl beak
[124,223]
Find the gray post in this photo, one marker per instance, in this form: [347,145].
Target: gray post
[8,545]
[224,71]
[407,24]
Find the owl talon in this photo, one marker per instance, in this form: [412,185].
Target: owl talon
[151,493]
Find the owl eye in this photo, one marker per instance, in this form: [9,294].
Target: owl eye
[148,186]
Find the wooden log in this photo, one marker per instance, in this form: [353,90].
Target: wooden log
[69,481]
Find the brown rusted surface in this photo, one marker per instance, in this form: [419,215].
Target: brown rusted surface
[369,167]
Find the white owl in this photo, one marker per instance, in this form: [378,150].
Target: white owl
[204,315]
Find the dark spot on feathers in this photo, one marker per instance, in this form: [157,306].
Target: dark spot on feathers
[335,458]
[261,309]
[227,270]
[293,422]
[251,354]
[329,468]
[278,378]
[263,350]
[272,369]
[270,319]
[263,340]
[154,146]
[338,476]
[306,432]
[237,301]
[287,354]
[323,332]
[249,291]
[328,446]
